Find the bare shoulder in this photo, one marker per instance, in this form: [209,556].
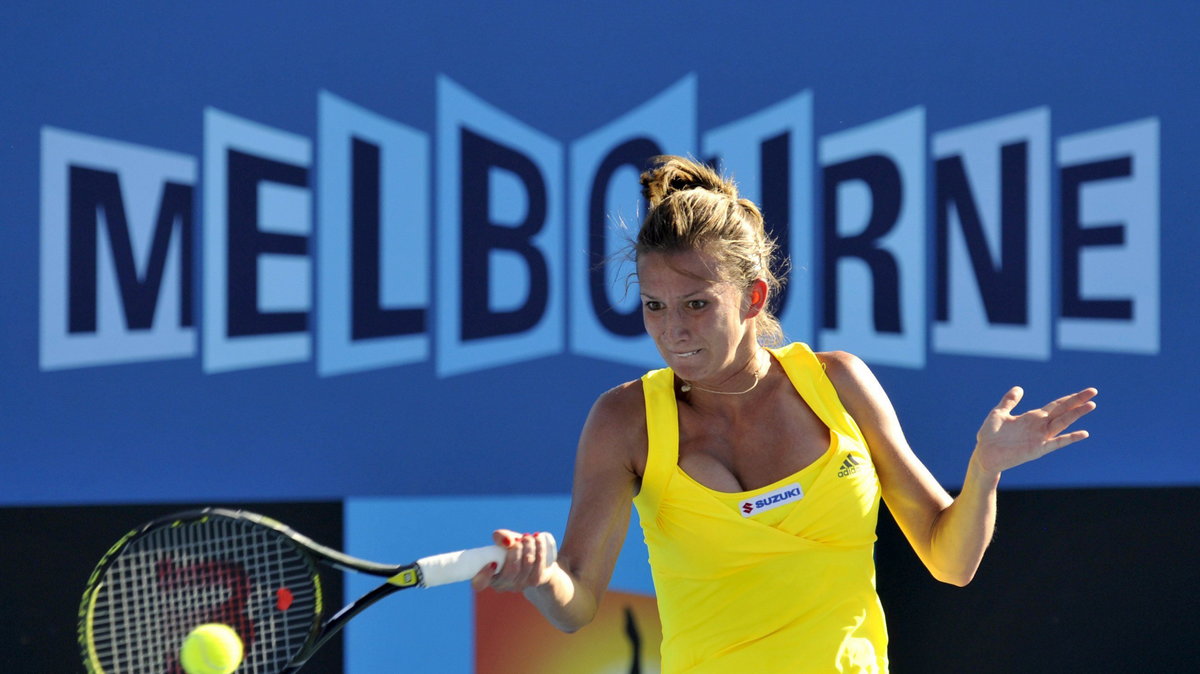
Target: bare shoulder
[847,371]
[857,386]
[616,425]
[865,400]
[623,402]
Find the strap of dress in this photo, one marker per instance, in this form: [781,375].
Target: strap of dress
[808,376]
[662,430]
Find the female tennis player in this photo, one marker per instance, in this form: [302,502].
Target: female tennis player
[757,471]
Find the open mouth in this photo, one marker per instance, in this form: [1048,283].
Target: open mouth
[687,354]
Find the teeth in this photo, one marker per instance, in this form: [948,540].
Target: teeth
[688,353]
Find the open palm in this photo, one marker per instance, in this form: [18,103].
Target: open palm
[1005,440]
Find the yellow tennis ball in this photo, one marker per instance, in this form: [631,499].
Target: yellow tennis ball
[211,649]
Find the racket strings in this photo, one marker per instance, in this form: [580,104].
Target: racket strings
[219,569]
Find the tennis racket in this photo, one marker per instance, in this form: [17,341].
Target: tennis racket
[241,569]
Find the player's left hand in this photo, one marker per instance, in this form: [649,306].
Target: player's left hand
[1005,440]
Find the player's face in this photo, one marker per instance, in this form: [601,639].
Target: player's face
[697,322]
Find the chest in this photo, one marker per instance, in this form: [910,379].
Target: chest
[751,449]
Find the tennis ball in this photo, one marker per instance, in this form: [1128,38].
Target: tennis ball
[211,649]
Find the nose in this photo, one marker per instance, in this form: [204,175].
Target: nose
[674,325]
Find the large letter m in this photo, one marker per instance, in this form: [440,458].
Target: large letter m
[117,252]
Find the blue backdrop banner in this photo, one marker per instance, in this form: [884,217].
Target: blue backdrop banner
[252,253]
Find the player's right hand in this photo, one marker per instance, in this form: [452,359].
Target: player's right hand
[526,564]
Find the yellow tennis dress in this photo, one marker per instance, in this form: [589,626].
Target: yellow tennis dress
[778,579]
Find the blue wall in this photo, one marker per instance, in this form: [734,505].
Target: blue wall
[246,137]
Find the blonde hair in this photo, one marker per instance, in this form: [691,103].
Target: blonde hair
[693,208]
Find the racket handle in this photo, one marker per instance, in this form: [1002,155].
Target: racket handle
[455,567]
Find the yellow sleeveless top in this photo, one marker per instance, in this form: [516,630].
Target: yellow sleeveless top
[789,590]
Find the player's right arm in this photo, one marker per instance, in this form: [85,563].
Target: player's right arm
[608,467]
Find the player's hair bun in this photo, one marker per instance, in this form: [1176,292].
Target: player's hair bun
[668,175]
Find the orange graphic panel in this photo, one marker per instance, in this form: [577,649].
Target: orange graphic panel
[511,637]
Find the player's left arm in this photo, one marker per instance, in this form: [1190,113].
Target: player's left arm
[950,535]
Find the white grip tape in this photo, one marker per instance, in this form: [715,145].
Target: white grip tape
[455,567]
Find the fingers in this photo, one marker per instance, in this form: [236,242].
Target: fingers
[487,574]
[1069,416]
[1071,401]
[1075,404]
[502,537]
[1010,399]
[1063,413]
[484,577]
[1064,440]
[524,564]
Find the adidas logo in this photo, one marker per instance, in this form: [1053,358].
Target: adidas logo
[850,466]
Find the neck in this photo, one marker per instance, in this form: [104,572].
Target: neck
[753,366]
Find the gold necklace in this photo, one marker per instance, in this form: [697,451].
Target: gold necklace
[687,386]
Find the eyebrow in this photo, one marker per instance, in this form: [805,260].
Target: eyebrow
[682,297]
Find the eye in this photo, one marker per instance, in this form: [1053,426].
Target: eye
[697,304]
[652,305]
